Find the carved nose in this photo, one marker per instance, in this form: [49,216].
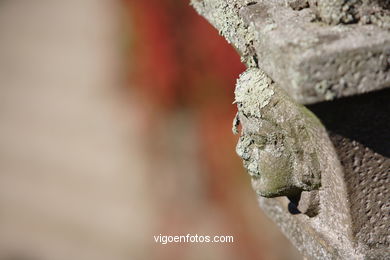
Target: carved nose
[242,148]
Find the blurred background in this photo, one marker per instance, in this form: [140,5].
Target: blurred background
[115,126]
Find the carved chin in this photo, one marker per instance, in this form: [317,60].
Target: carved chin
[273,175]
[252,168]
[262,189]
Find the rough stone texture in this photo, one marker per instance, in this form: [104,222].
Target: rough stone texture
[311,61]
[224,15]
[279,138]
[284,148]
[308,203]
[362,146]
[352,11]
[300,49]
[347,217]
[303,235]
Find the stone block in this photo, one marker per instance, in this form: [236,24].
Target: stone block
[311,60]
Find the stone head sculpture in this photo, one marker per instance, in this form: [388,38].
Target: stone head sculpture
[278,141]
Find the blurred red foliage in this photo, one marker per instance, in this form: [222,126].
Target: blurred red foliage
[180,62]
[179,57]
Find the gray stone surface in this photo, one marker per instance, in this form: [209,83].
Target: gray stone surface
[342,211]
[300,158]
[359,128]
[283,145]
[310,60]
[346,217]
[363,150]
[353,11]
[305,236]
[224,16]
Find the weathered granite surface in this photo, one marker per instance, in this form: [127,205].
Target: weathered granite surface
[361,146]
[361,206]
[310,59]
[333,166]
[288,152]
[283,145]
[359,128]
[352,11]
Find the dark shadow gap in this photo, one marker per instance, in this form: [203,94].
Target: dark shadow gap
[363,118]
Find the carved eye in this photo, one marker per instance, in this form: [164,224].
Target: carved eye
[259,140]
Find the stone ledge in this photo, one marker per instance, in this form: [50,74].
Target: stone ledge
[312,61]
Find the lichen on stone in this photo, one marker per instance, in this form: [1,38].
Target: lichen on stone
[353,11]
[253,92]
[324,88]
[224,15]
[278,137]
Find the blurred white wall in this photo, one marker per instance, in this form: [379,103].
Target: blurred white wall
[67,146]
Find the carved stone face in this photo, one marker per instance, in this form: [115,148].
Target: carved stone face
[268,161]
[277,138]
